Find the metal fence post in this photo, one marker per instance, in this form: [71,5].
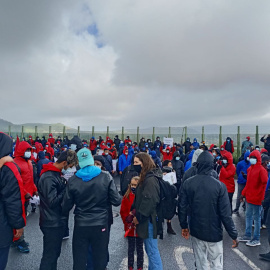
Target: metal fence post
[22,132]
[257,136]
[36,131]
[185,133]
[123,134]
[169,135]
[238,142]
[108,132]
[138,134]
[64,131]
[93,131]
[220,136]
[203,134]
[153,137]
[9,130]
[78,132]
[50,129]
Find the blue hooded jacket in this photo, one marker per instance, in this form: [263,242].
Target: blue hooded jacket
[124,161]
[242,166]
[189,162]
[41,162]
[155,158]
[195,144]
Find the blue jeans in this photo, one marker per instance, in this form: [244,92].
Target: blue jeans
[151,248]
[3,257]
[253,212]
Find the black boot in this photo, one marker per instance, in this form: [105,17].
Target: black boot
[265,256]
[170,229]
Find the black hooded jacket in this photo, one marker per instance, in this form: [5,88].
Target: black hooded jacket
[209,203]
[126,176]
[76,140]
[178,166]
[92,199]
[11,201]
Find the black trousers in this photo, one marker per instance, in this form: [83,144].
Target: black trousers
[3,257]
[267,223]
[230,198]
[52,242]
[132,242]
[98,238]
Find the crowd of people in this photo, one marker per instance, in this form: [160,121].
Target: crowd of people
[157,182]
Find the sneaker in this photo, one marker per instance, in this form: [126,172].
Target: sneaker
[265,256]
[23,247]
[15,244]
[263,226]
[244,239]
[236,211]
[253,243]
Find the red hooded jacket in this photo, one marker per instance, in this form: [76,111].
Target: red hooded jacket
[124,212]
[257,178]
[49,149]
[39,147]
[93,145]
[109,140]
[167,156]
[51,140]
[26,168]
[31,140]
[227,174]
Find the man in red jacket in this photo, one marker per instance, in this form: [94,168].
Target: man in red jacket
[167,153]
[12,217]
[254,191]
[23,160]
[227,173]
[51,139]
[93,145]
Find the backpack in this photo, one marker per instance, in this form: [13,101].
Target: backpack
[167,204]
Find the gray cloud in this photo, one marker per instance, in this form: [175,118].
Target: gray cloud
[162,63]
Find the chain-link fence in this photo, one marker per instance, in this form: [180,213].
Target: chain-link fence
[209,134]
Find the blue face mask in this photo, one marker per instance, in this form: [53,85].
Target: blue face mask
[228,141]
[177,158]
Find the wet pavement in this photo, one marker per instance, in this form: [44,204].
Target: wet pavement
[176,252]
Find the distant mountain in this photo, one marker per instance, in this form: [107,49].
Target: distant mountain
[161,131]
[30,127]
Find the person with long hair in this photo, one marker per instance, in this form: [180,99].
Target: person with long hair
[146,202]
[130,229]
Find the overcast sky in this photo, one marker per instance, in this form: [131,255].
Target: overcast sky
[135,62]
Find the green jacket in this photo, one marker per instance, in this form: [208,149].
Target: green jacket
[146,201]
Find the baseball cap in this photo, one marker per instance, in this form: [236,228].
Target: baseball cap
[85,158]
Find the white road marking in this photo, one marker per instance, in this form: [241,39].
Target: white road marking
[178,254]
[245,259]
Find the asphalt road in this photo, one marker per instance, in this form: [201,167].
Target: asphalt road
[176,252]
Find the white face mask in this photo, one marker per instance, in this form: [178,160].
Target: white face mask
[177,158]
[27,154]
[214,154]
[73,147]
[224,161]
[253,161]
